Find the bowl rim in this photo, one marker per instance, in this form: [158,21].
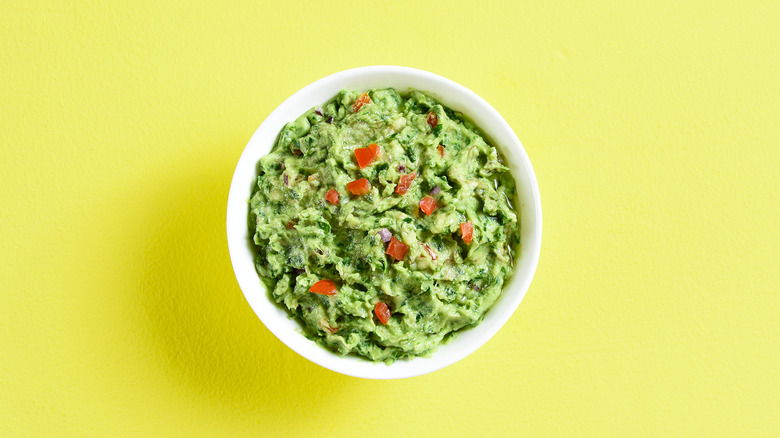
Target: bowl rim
[238,238]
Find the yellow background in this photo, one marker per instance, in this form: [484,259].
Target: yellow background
[654,129]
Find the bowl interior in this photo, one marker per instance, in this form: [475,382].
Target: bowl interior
[450,94]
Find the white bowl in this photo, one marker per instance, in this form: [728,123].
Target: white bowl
[449,93]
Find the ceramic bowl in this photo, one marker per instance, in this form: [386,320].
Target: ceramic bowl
[449,93]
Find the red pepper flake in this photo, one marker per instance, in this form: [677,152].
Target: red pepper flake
[441,150]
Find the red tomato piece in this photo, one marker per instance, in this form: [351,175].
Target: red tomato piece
[397,249]
[333,196]
[365,156]
[382,312]
[360,101]
[467,231]
[323,287]
[433,120]
[359,187]
[404,182]
[427,205]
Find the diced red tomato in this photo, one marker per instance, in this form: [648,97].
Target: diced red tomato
[441,150]
[404,182]
[365,156]
[427,205]
[359,187]
[382,312]
[397,249]
[323,287]
[430,250]
[333,196]
[360,101]
[467,231]
[433,120]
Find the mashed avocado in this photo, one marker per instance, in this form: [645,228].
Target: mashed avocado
[383,223]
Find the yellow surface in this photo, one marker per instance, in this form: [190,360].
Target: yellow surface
[654,128]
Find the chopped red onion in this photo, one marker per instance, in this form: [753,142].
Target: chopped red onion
[385,235]
[435,190]
[430,250]
[286,182]
[318,111]
[329,119]
[402,168]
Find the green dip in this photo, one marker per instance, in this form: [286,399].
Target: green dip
[302,238]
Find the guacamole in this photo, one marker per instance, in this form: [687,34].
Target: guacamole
[384,223]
